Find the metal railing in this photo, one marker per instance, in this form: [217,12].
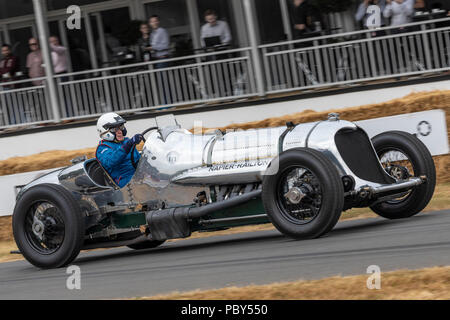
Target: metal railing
[24,102]
[160,84]
[407,50]
[354,57]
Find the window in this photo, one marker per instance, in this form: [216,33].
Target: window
[270,21]
[11,9]
[174,18]
[79,49]
[63,4]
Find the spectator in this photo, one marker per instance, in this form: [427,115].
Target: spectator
[159,45]
[400,11]
[214,28]
[370,13]
[8,65]
[35,62]
[60,53]
[143,42]
[302,16]
[159,41]
[306,18]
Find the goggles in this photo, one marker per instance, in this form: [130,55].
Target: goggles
[115,129]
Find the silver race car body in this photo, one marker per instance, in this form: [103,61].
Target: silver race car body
[186,182]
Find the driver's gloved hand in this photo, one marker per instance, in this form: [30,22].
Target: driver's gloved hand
[127,146]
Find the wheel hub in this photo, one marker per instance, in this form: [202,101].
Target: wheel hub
[38,228]
[299,194]
[295,195]
[45,227]
[398,172]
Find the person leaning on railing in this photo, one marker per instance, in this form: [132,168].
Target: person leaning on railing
[35,62]
[60,52]
[307,22]
[302,18]
[159,42]
[215,35]
[399,11]
[143,43]
[9,65]
[214,28]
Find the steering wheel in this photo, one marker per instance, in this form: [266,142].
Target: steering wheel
[134,146]
[147,131]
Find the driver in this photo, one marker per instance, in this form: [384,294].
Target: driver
[114,150]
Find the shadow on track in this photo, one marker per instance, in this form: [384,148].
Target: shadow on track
[186,245]
[223,241]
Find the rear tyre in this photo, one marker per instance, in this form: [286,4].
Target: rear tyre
[304,199]
[48,226]
[405,155]
[146,245]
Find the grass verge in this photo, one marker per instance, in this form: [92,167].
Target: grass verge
[423,284]
[414,102]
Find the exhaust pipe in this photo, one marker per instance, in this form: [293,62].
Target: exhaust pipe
[174,223]
[221,205]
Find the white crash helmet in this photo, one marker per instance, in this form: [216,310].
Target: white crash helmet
[106,122]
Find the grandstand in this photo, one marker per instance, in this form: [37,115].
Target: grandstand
[264,61]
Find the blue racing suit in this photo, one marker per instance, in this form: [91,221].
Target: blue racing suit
[116,161]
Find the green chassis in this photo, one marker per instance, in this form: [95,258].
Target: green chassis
[250,208]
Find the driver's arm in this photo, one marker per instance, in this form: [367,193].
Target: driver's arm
[110,158]
[137,156]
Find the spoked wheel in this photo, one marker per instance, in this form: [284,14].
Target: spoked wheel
[304,199]
[398,166]
[403,156]
[299,195]
[44,227]
[48,226]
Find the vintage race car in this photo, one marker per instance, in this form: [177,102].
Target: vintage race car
[298,177]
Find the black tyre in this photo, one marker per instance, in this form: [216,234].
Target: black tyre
[304,199]
[404,155]
[146,245]
[48,226]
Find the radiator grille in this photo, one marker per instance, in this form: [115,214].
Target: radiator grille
[356,150]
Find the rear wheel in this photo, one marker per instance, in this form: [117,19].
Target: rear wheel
[48,226]
[304,199]
[402,156]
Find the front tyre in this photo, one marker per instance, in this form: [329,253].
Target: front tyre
[48,226]
[304,199]
[404,155]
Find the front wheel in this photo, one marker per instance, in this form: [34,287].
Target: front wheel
[403,155]
[48,226]
[304,199]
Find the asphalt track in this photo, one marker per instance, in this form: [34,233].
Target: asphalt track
[240,259]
